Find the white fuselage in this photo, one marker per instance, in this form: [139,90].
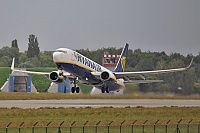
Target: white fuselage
[83,67]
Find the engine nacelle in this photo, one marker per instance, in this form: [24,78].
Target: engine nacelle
[107,75]
[56,77]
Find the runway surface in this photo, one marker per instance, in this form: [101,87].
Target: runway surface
[97,103]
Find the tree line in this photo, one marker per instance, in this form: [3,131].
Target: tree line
[187,82]
[32,57]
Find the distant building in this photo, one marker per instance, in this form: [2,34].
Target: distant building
[109,61]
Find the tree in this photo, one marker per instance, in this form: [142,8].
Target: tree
[26,64]
[145,65]
[14,43]
[3,61]
[46,59]
[23,57]
[35,61]
[33,48]
[188,81]
[15,51]
[132,59]
[5,51]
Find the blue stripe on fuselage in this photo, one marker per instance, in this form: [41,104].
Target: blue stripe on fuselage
[83,73]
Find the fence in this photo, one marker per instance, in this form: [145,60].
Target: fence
[132,127]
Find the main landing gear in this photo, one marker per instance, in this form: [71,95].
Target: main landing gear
[75,88]
[104,89]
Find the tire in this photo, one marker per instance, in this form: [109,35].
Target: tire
[73,89]
[107,90]
[103,90]
[77,89]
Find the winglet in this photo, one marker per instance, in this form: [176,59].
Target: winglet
[190,63]
[13,64]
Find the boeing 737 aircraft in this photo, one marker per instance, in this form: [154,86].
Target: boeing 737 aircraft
[77,67]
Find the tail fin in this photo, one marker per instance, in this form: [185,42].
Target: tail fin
[122,60]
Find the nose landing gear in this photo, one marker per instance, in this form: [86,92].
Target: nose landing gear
[75,88]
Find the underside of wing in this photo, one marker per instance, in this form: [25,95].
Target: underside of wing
[68,75]
[96,74]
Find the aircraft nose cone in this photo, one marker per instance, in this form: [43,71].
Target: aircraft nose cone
[57,56]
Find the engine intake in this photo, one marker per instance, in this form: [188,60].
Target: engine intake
[56,77]
[105,76]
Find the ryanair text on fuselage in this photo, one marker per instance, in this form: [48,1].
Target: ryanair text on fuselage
[87,62]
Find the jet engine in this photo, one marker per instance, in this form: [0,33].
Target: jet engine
[106,76]
[56,77]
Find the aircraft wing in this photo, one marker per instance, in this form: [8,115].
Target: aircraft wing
[142,74]
[31,72]
[142,81]
[65,74]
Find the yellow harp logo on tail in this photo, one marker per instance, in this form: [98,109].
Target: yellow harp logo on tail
[123,62]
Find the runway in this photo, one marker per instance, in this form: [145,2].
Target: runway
[98,103]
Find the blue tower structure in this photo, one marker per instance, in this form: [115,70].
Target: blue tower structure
[18,82]
[65,87]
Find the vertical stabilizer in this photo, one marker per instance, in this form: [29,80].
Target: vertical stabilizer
[122,60]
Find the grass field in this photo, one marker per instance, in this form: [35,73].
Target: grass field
[93,115]
[4,73]
[44,115]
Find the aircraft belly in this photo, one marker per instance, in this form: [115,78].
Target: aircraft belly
[114,87]
[81,73]
[91,80]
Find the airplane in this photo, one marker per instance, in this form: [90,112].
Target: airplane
[76,67]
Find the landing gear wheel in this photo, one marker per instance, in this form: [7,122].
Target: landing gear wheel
[73,89]
[107,90]
[77,89]
[103,89]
